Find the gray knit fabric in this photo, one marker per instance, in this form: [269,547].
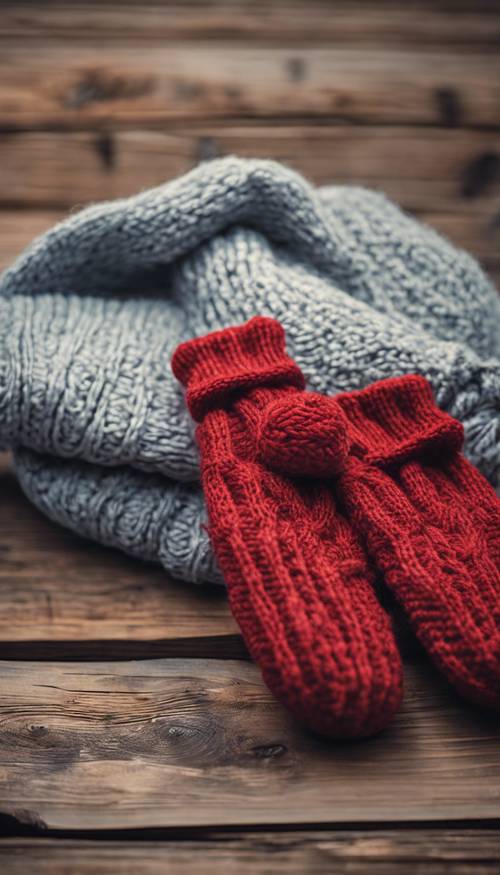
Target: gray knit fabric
[92,312]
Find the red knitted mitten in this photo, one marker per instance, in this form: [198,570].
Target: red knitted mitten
[431,522]
[298,581]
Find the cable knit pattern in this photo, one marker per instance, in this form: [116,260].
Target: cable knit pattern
[91,313]
[298,582]
[431,523]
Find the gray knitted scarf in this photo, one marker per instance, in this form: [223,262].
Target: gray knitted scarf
[92,311]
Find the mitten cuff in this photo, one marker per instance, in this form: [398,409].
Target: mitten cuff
[213,368]
[397,420]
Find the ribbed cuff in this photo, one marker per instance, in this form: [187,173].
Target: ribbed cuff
[214,367]
[396,420]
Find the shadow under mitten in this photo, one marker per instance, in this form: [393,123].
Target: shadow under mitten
[431,523]
[298,582]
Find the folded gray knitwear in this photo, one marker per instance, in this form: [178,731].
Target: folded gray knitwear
[92,311]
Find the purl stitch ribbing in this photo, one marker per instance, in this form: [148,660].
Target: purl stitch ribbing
[91,314]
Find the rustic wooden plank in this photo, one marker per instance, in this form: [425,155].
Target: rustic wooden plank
[66,596]
[352,852]
[55,83]
[436,170]
[167,743]
[62,597]
[360,23]
[477,233]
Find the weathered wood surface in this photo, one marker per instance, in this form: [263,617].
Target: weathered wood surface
[135,99]
[55,83]
[433,171]
[64,596]
[98,100]
[362,22]
[168,743]
[385,852]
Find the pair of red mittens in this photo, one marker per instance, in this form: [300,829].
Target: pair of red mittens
[276,464]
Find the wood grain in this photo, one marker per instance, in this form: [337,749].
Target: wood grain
[268,21]
[384,852]
[99,100]
[61,595]
[52,83]
[165,743]
[435,170]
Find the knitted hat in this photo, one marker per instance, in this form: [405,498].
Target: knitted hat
[92,311]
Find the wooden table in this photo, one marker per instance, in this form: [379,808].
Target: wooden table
[135,735]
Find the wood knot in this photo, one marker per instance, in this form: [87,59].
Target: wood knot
[105,146]
[449,106]
[39,731]
[480,174]
[269,751]
[99,85]
[296,69]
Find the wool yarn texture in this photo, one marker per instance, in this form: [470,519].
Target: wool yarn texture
[298,582]
[91,313]
[430,523]
[277,464]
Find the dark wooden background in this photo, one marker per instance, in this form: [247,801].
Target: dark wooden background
[135,736]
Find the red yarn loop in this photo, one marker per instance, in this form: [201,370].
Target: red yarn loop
[304,435]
